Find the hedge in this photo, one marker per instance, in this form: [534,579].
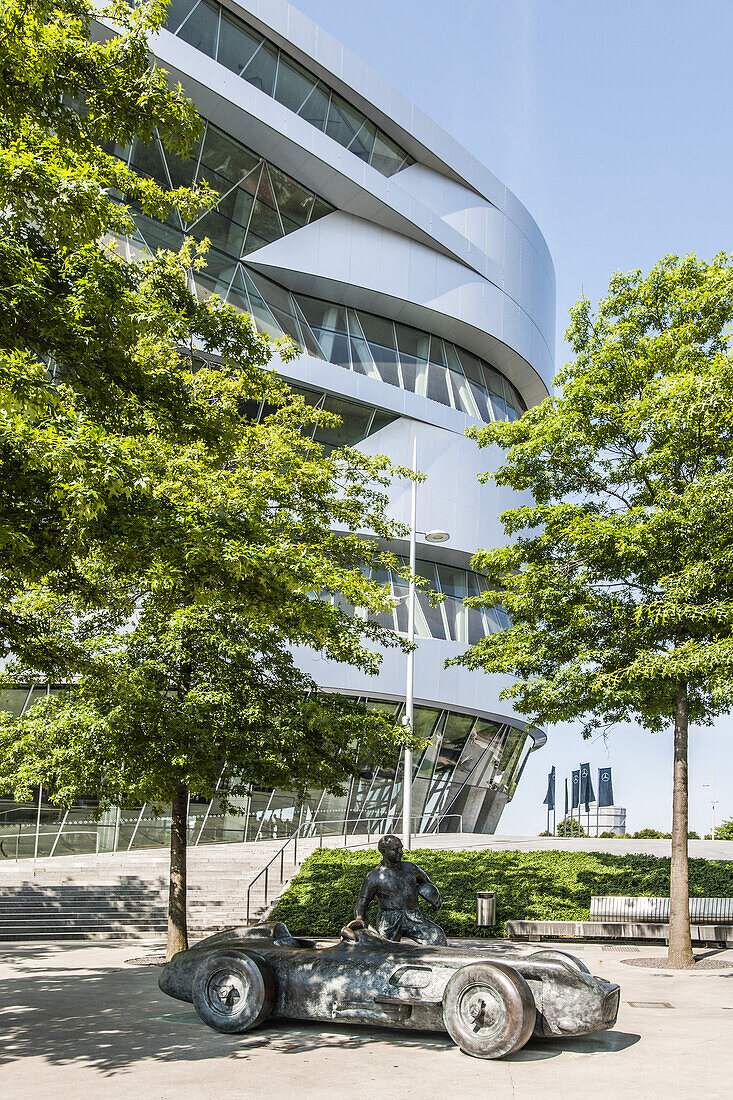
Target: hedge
[529,885]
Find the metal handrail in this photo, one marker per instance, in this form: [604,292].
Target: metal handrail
[293,839]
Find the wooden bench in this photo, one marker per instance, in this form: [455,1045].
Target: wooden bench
[634,918]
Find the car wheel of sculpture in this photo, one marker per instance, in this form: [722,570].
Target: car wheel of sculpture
[233,992]
[562,957]
[488,1009]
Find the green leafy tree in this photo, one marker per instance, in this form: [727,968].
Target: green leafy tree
[184,676]
[570,827]
[88,342]
[157,549]
[724,831]
[619,578]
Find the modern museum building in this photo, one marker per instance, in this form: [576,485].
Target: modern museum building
[422,295]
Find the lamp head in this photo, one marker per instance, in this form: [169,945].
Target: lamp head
[437,536]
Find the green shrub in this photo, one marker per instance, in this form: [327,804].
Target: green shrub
[570,827]
[529,885]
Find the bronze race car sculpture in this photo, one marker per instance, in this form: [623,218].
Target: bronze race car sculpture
[490,1003]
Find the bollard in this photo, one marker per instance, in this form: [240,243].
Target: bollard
[486,908]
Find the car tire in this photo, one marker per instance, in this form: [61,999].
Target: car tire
[233,992]
[550,955]
[488,1009]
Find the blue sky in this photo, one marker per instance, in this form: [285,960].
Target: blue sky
[611,123]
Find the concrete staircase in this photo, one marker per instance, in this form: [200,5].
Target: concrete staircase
[126,894]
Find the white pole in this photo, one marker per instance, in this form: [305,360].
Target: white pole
[409,687]
[117,829]
[712,834]
[38,821]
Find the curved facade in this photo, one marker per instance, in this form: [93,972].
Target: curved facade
[421,293]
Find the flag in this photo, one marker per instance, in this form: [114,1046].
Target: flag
[575,783]
[550,796]
[586,786]
[566,797]
[605,787]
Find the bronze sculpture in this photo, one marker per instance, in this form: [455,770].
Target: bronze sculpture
[397,886]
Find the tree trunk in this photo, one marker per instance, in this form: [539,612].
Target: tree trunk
[680,945]
[177,927]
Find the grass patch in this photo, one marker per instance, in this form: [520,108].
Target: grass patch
[528,885]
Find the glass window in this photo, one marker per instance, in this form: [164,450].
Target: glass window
[237,203]
[432,625]
[380,335]
[147,159]
[260,312]
[225,158]
[294,201]
[12,700]
[243,50]
[386,156]
[176,12]
[323,315]
[437,389]
[294,83]
[452,581]
[311,344]
[320,209]
[457,729]
[361,357]
[481,399]
[223,233]
[264,226]
[158,235]
[363,143]
[200,29]
[335,346]
[354,423]
[343,121]
[315,108]
[381,420]
[412,343]
[237,295]
[260,71]
[463,396]
[237,43]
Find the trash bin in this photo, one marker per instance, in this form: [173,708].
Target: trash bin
[486,908]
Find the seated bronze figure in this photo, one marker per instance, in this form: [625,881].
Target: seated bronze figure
[397,885]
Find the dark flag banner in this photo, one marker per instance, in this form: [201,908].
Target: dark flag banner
[566,798]
[586,786]
[605,787]
[550,796]
[575,783]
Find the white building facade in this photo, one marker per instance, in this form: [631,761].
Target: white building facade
[422,295]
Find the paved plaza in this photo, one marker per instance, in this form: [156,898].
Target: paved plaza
[79,1021]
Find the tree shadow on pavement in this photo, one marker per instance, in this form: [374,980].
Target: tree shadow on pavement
[112,1018]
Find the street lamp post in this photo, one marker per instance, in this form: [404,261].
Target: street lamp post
[430,536]
[713,803]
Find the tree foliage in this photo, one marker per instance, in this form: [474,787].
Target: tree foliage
[619,580]
[159,550]
[132,481]
[89,343]
[619,577]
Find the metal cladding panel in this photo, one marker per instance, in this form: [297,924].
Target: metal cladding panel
[441,245]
